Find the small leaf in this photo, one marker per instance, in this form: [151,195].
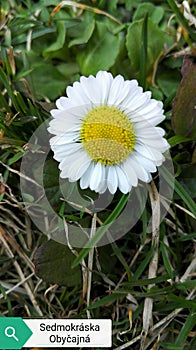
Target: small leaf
[176,140]
[154,12]
[100,52]
[83,31]
[59,42]
[53,263]
[184,106]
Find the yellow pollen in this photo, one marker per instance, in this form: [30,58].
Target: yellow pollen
[107,135]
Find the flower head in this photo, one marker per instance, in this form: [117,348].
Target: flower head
[106,134]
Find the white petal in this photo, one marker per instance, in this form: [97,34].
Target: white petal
[115,94]
[62,151]
[112,179]
[103,183]
[76,94]
[153,106]
[59,127]
[65,138]
[123,183]
[141,173]
[139,101]
[148,152]
[63,103]
[160,144]
[96,176]
[104,80]
[147,164]
[85,178]
[134,95]
[130,173]
[74,166]
[146,131]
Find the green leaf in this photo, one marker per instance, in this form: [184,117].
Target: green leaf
[100,52]
[185,197]
[83,31]
[187,180]
[168,346]
[168,80]
[186,329]
[45,79]
[53,262]
[154,12]
[4,79]
[181,302]
[179,190]
[184,111]
[166,261]
[51,183]
[144,264]
[145,282]
[156,41]
[58,44]
[176,140]
[105,300]
[15,158]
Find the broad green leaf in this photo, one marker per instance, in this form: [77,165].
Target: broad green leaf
[53,262]
[83,31]
[184,111]
[45,79]
[156,40]
[154,12]
[131,3]
[100,52]
[59,42]
[168,80]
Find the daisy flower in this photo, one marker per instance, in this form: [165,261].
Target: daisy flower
[106,135]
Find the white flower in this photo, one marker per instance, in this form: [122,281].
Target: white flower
[106,134]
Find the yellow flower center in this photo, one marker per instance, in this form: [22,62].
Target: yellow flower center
[107,135]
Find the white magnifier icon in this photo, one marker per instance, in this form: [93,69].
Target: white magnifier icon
[10,332]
